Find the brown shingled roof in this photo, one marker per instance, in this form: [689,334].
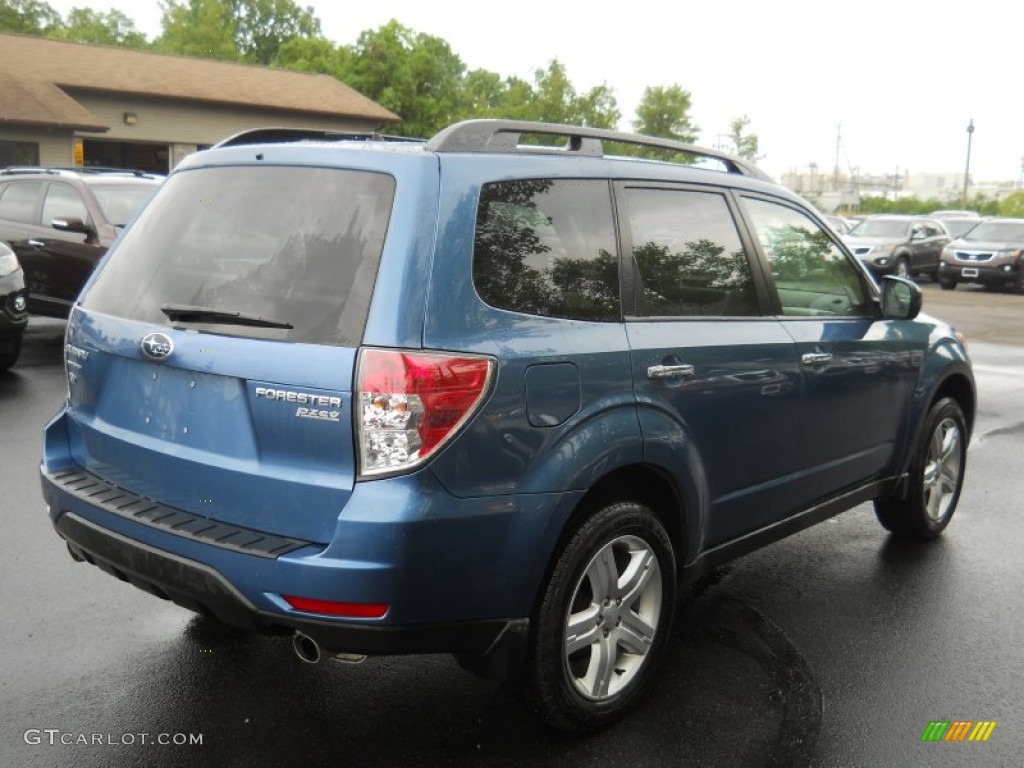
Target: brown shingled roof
[32,70]
[29,101]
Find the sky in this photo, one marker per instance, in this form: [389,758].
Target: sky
[891,85]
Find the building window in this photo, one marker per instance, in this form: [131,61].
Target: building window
[18,153]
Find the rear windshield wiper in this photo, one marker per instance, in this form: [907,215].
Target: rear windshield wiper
[192,314]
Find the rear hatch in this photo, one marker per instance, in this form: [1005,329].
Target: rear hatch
[211,362]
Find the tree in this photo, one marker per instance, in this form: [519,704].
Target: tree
[663,112]
[245,30]
[415,75]
[28,17]
[555,100]
[198,28]
[84,25]
[263,26]
[483,94]
[744,144]
[311,54]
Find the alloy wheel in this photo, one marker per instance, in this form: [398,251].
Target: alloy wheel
[942,469]
[612,618]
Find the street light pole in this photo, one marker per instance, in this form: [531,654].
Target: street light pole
[967,168]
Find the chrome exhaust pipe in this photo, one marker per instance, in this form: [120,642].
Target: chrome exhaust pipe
[306,648]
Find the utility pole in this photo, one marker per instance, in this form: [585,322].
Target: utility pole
[835,171]
[967,168]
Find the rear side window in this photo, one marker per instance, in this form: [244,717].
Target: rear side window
[547,247]
[294,246]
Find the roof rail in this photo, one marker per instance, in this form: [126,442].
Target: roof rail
[504,135]
[284,135]
[59,169]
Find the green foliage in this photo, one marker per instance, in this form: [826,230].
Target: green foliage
[84,25]
[251,31]
[311,54]
[28,17]
[744,144]
[202,28]
[415,75]
[555,100]
[1012,206]
[911,205]
[664,112]
[483,93]
[262,26]
[984,205]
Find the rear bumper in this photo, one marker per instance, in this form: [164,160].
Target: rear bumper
[203,589]
[458,574]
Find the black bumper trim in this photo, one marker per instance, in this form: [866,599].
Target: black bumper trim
[90,488]
[203,589]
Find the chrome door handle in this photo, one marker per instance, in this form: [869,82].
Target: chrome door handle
[36,243]
[814,358]
[669,371]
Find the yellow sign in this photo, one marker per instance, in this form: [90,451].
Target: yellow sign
[79,152]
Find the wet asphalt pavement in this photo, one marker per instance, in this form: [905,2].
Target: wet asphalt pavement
[836,647]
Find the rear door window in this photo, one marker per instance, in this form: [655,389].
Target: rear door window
[687,255]
[295,247]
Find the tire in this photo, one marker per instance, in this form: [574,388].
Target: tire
[603,619]
[948,285]
[901,269]
[10,357]
[936,477]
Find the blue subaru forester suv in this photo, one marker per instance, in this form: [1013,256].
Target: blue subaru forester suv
[497,394]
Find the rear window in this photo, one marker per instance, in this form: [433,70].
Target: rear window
[292,246]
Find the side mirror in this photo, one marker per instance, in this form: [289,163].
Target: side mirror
[901,299]
[71,224]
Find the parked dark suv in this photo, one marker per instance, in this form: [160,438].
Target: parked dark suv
[13,314]
[488,397]
[898,245]
[60,221]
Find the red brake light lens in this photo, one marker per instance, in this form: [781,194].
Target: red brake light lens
[410,403]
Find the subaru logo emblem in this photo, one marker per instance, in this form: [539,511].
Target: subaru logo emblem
[156,346]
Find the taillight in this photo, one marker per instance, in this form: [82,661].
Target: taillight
[409,404]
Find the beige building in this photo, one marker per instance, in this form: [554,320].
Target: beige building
[68,104]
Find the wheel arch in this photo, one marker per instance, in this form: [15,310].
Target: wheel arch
[643,483]
[958,384]
[959,388]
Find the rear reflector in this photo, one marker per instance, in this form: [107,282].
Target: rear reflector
[411,403]
[331,608]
